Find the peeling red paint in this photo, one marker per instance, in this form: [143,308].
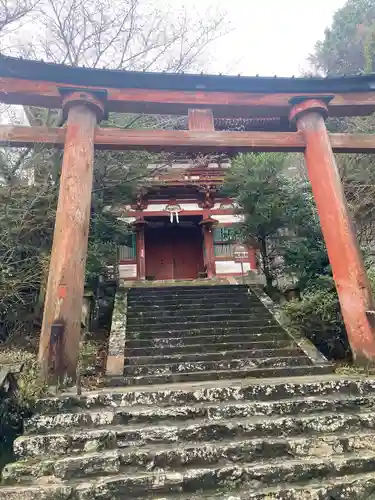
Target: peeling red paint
[67,267]
[62,292]
[345,257]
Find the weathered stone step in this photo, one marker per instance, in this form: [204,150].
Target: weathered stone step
[111,437]
[243,363]
[254,475]
[202,353]
[193,296]
[184,286]
[214,392]
[212,319]
[183,291]
[207,336]
[160,330]
[211,304]
[290,371]
[158,322]
[351,487]
[197,307]
[208,301]
[243,302]
[123,415]
[200,311]
[186,338]
[254,349]
[204,454]
[196,292]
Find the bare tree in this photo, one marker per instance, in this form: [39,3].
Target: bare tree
[12,12]
[121,34]
[117,34]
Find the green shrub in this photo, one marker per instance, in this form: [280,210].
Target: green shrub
[88,357]
[13,410]
[318,316]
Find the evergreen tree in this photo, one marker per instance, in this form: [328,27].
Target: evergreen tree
[279,216]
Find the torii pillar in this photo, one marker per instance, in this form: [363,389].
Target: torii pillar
[348,269]
[66,277]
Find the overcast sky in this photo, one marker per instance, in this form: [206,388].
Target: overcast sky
[270,36]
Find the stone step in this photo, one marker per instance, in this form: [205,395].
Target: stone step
[192,307]
[244,363]
[201,376]
[351,487]
[159,321]
[203,354]
[196,286]
[207,336]
[212,392]
[175,287]
[213,326]
[212,319]
[189,292]
[254,349]
[112,437]
[209,300]
[138,414]
[254,476]
[197,307]
[160,457]
[199,311]
[182,295]
[196,291]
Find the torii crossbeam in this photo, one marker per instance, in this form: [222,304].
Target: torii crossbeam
[86,95]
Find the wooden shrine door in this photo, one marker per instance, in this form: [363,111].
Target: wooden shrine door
[173,251]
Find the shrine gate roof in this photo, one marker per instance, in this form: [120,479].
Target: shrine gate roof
[11,67]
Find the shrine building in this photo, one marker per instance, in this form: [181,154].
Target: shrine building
[183,228]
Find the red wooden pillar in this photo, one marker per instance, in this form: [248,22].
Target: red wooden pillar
[252,258]
[140,225]
[208,241]
[345,257]
[209,248]
[65,287]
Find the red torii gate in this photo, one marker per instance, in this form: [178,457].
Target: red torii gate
[86,95]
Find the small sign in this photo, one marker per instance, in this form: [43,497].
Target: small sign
[226,206]
[240,253]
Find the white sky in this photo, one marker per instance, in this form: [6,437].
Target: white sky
[270,36]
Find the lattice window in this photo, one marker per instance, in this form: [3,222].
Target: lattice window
[128,251]
[224,240]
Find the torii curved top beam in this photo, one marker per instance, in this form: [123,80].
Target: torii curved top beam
[37,83]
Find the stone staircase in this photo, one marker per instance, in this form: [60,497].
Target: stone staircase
[185,334]
[194,419]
